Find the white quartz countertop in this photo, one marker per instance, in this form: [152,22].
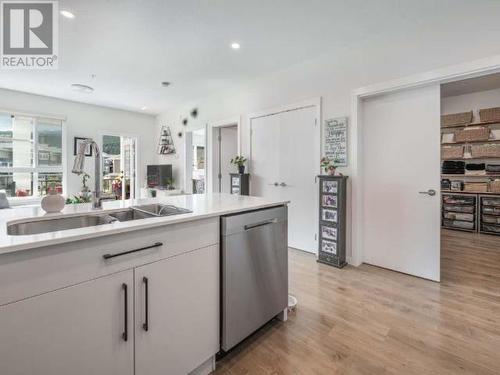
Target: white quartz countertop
[203,206]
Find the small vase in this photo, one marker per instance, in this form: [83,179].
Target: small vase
[241,169]
[53,202]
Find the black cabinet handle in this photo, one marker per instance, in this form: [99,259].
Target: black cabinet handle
[109,256]
[125,306]
[145,325]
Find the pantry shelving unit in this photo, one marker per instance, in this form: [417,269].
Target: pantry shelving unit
[471,211]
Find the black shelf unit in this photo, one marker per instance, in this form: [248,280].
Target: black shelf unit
[459,211]
[332,220]
[489,214]
[239,183]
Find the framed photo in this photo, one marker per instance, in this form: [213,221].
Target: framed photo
[330,187]
[329,247]
[329,201]
[334,140]
[329,233]
[76,145]
[235,181]
[329,215]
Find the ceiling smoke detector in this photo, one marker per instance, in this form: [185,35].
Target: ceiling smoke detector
[82,88]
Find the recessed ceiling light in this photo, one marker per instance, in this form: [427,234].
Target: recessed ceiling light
[144,108]
[67,14]
[82,88]
[235,45]
[165,84]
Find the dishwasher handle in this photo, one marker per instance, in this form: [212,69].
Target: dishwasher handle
[261,224]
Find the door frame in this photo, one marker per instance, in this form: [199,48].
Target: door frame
[448,74]
[187,160]
[313,102]
[137,160]
[233,121]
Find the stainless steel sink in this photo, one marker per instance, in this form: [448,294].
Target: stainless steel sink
[162,209]
[90,220]
[53,225]
[130,214]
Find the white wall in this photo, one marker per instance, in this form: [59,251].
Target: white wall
[471,102]
[333,78]
[84,120]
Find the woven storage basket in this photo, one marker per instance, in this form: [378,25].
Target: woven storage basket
[485,151]
[489,114]
[464,118]
[495,186]
[452,152]
[476,133]
[476,187]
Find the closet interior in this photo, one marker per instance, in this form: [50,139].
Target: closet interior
[470,153]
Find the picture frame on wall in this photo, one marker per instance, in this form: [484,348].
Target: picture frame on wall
[330,187]
[76,145]
[328,214]
[328,233]
[329,247]
[328,200]
[334,140]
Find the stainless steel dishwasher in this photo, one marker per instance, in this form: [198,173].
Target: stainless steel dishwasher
[254,267]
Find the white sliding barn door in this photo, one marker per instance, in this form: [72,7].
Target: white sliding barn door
[400,162]
[284,163]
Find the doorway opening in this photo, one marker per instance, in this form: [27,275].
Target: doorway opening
[195,161]
[470,176]
[225,147]
[119,163]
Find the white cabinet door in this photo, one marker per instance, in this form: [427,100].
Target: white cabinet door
[284,163]
[401,161]
[76,330]
[177,313]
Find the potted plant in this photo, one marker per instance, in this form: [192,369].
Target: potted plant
[328,166]
[239,161]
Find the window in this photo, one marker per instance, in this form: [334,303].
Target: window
[30,155]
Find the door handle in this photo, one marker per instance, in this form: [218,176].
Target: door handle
[125,315]
[145,325]
[430,192]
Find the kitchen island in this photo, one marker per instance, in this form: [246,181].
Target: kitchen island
[138,296]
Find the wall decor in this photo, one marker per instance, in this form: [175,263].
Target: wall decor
[329,233]
[329,247]
[329,215]
[166,143]
[76,145]
[334,140]
[330,186]
[329,200]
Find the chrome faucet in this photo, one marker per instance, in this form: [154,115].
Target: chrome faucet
[79,164]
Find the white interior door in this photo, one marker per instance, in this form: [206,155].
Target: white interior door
[284,165]
[401,159]
[228,150]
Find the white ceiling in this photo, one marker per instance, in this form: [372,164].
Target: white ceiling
[131,46]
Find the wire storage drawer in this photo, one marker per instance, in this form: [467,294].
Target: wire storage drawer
[459,211]
[490,214]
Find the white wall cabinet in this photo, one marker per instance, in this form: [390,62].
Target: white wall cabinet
[180,328]
[79,329]
[76,330]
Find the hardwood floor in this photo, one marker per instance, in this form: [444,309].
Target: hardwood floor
[368,320]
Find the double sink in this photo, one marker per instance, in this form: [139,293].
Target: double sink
[93,219]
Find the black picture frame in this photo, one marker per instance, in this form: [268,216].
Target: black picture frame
[76,142]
